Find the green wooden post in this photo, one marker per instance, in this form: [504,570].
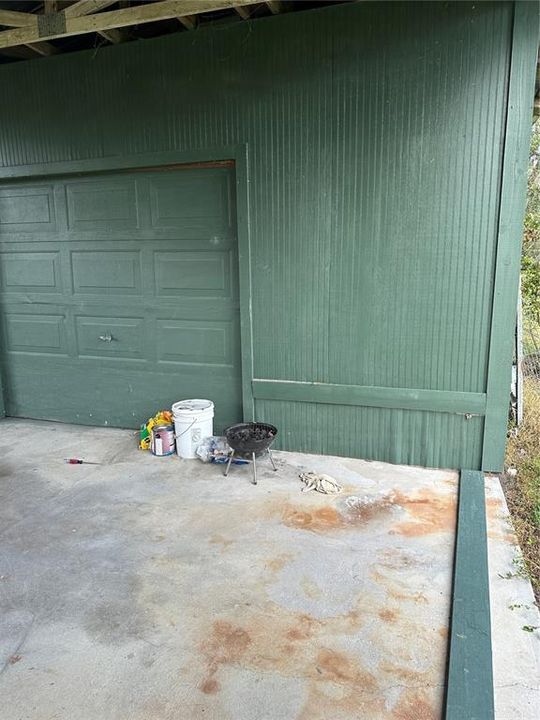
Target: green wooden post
[511,213]
[470,672]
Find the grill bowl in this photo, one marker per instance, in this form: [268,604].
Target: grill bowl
[254,437]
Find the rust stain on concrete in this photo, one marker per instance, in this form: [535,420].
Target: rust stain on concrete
[226,646]
[417,597]
[494,505]
[310,588]
[338,685]
[328,517]
[340,668]
[341,689]
[319,519]
[431,512]
[403,673]
[278,640]
[277,563]
[414,705]
[210,686]
[304,628]
[388,615]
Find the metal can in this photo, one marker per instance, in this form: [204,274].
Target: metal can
[163,442]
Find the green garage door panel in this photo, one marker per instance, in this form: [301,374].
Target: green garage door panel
[119,295]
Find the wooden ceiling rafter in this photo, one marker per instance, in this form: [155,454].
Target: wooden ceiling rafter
[87,16]
[113,36]
[86,7]
[188,21]
[243,12]
[42,48]
[275,6]
[17,19]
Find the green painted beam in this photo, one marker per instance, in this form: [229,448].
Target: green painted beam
[511,213]
[367,396]
[470,671]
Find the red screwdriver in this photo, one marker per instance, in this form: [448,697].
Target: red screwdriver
[78,461]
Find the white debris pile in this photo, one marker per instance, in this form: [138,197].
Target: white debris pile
[320,483]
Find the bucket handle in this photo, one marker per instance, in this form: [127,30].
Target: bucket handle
[186,430]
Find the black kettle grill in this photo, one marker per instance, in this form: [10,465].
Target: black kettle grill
[252,440]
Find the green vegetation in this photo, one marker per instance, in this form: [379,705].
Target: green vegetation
[530,265]
[523,450]
[523,490]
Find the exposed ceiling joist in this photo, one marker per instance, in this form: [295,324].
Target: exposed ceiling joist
[43,48]
[86,7]
[190,23]
[62,25]
[14,19]
[21,52]
[274,6]
[113,36]
[243,12]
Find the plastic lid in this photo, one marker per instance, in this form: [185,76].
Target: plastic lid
[195,405]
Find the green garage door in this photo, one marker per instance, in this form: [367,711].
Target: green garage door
[119,295]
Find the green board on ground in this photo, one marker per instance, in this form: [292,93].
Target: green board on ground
[470,668]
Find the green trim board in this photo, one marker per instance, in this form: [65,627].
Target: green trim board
[131,161]
[158,160]
[469,694]
[511,213]
[367,396]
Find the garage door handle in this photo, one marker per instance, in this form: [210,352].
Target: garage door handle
[106,338]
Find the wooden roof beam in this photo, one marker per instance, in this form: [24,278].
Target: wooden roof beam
[243,12]
[43,48]
[21,52]
[190,23]
[14,19]
[63,25]
[275,6]
[86,7]
[113,36]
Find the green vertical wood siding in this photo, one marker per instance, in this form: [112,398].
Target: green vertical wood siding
[374,136]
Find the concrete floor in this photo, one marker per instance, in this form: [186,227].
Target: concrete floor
[154,588]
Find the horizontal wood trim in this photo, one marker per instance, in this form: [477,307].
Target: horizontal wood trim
[116,163]
[470,667]
[363,395]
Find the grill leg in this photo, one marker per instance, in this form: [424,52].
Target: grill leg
[254,469]
[229,464]
[272,459]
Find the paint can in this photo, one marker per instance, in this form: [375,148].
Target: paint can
[163,442]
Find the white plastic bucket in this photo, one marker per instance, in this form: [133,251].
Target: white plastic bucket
[193,421]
